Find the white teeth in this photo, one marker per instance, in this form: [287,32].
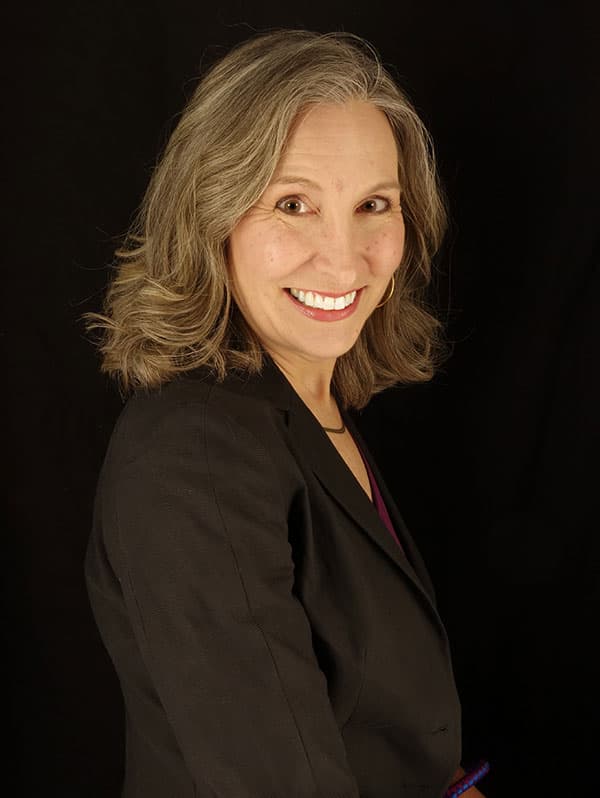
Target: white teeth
[314,300]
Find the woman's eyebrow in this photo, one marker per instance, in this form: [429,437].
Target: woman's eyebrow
[305,181]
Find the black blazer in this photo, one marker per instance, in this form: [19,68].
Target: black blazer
[270,638]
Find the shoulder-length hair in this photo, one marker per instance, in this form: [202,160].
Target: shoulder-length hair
[169,306]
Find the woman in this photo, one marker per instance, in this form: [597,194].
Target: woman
[269,617]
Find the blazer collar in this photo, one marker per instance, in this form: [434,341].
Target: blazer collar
[313,445]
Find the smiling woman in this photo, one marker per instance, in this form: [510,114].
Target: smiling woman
[169,308]
[272,624]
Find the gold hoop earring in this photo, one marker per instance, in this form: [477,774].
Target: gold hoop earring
[389,296]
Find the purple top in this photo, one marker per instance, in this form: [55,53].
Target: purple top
[380,504]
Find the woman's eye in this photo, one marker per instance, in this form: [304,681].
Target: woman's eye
[290,205]
[371,205]
[294,206]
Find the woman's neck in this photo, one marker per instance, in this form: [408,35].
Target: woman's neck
[312,383]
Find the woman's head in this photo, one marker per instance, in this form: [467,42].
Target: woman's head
[172,303]
[310,261]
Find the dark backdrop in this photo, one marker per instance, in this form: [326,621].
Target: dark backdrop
[500,449]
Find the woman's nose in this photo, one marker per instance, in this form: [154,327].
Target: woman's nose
[337,250]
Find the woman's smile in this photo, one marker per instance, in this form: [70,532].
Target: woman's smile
[324,307]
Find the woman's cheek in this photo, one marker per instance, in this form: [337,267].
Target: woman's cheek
[286,250]
[394,244]
[385,251]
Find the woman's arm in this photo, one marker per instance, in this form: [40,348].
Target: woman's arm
[199,538]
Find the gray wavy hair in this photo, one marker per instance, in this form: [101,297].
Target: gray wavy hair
[169,307]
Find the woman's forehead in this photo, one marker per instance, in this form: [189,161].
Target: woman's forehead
[330,138]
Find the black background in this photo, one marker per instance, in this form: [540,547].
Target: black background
[499,450]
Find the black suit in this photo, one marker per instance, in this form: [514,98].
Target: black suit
[271,639]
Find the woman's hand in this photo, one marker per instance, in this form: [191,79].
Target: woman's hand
[473,792]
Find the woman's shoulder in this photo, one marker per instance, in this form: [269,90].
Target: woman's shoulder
[176,411]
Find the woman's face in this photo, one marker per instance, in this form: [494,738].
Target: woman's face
[315,255]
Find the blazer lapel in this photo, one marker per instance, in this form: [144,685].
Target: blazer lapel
[400,527]
[313,446]
[337,479]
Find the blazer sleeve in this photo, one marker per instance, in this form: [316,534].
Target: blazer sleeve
[207,575]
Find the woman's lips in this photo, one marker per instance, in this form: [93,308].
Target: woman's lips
[320,314]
